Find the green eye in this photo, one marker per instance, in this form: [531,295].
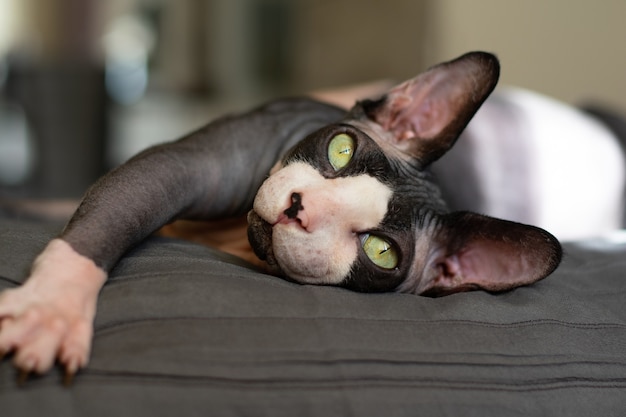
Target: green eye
[340,151]
[381,252]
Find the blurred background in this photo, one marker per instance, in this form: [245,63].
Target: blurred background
[84,84]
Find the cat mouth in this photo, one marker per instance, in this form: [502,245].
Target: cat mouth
[260,238]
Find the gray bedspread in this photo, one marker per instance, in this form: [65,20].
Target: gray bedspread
[183,330]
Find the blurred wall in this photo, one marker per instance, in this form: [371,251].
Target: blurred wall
[571,49]
[274,46]
[351,41]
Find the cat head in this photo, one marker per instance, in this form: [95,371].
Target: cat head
[353,204]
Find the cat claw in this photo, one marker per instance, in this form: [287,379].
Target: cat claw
[68,378]
[68,375]
[71,368]
[22,377]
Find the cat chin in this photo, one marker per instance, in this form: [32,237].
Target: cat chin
[261,237]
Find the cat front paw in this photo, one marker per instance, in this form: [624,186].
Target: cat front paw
[50,318]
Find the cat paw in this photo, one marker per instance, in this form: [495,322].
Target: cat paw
[50,317]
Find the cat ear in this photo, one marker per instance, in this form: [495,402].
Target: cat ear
[425,115]
[479,252]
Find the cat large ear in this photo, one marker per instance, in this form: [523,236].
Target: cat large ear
[425,115]
[475,252]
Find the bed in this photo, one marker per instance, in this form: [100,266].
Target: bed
[185,330]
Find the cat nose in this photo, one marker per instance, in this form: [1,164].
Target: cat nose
[295,213]
[296,206]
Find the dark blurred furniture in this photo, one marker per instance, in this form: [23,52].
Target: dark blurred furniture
[66,107]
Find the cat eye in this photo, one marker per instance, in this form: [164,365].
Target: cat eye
[340,150]
[380,251]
